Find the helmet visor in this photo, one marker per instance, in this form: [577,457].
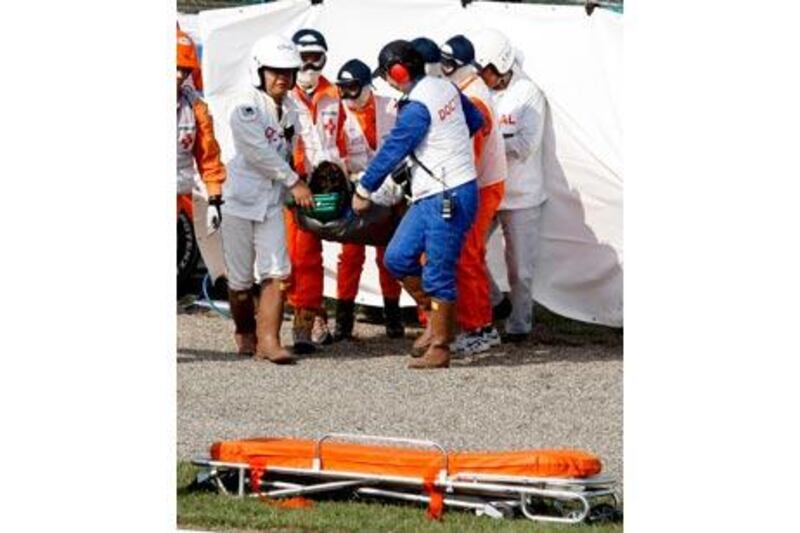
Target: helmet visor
[349,90]
[449,64]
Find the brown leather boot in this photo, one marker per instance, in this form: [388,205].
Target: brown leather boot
[438,353]
[422,342]
[243,313]
[301,331]
[268,325]
[413,286]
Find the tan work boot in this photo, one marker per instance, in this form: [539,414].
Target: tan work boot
[243,313]
[268,325]
[422,342]
[442,324]
[413,286]
[301,331]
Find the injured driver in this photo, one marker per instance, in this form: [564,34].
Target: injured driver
[332,217]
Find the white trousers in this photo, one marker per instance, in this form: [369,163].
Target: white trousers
[521,229]
[255,251]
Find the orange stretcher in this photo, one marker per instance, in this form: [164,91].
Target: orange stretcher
[546,485]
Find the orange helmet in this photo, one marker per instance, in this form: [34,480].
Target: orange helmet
[187,55]
[187,58]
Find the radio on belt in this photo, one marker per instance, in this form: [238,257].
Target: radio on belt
[447,207]
[447,201]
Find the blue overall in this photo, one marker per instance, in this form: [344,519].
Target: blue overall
[423,229]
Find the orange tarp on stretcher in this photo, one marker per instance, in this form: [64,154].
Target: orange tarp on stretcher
[407,462]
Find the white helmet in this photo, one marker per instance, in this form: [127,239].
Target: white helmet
[493,48]
[273,51]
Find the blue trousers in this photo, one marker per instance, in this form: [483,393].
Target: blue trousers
[424,230]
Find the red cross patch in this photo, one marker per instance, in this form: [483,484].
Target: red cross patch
[330,127]
[187,141]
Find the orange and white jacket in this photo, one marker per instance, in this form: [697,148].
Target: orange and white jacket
[197,145]
[362,142]
[489,149]
[321,134]
[364,133]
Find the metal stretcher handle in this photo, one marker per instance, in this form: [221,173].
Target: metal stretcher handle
[559,495]
[317,461]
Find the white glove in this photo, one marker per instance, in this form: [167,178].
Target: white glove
[213,215]
[388,194]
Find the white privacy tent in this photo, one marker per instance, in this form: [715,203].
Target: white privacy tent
[575,59]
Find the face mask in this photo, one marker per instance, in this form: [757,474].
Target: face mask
[308,79]
[434,69]
[360,102]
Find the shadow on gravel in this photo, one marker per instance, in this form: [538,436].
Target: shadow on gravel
[361,349]
[196,356]
[537,355]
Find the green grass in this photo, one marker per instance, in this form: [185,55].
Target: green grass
[210,511]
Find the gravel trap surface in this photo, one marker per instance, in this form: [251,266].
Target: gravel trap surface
[523,396]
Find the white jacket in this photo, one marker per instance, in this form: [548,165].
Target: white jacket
[521,108]
[259,172]
[446,150]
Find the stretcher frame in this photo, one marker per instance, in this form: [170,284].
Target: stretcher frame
[496,496]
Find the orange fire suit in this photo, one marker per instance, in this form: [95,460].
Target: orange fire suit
[321,138]
[351,258]
[473,302]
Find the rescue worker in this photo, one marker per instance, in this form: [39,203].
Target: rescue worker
[431,54]
[321,135]
[521,106]
[433,128]
[196,142]
[474,308]
[263,122]
[368,119]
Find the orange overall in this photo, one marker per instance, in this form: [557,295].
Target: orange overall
[305,284]
[473,304]
[351,258]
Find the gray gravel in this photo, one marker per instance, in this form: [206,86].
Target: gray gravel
[531,396]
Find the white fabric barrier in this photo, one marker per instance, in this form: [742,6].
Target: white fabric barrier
[575,59]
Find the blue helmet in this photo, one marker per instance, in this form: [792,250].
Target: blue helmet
[459,50]
[309,40]
[354,71]
[428,49]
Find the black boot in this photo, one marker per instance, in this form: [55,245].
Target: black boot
[393,318]
[345,310]
[502,310]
